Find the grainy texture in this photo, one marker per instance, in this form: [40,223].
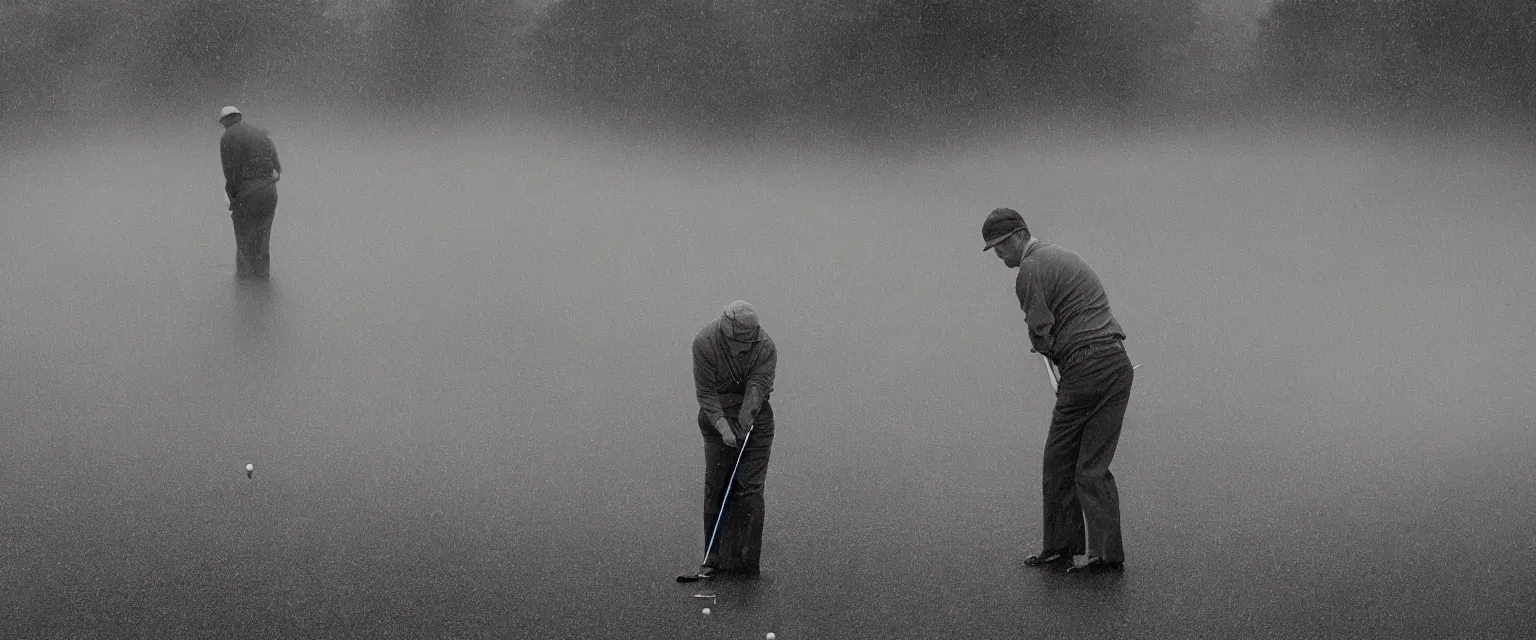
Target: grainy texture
[467,392]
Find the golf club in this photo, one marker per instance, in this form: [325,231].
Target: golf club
[726,495]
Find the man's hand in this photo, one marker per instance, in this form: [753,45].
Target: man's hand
[746,420]
[726,434]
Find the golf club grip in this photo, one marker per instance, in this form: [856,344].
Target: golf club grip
[1050,370]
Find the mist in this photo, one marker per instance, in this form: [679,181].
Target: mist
[868,70]
[466,389]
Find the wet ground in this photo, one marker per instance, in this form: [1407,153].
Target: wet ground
[466,389]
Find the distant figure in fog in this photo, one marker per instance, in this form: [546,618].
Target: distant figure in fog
[733,369]
[251,172]
[1068,318]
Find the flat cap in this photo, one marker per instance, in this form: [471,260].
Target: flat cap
[1000,224]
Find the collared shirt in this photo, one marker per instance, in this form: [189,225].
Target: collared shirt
[1063,300]
[723,370]
[248,155]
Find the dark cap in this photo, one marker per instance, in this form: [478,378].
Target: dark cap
[1000,224]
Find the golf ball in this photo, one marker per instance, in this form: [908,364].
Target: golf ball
[771,636]
[250,467]
[706,611]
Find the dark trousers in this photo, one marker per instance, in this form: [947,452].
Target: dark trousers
[1091,397]
[739,543]
[252,214]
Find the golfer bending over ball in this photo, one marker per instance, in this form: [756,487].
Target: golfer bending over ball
[733,366]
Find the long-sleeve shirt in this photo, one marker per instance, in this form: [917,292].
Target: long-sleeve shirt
[248,156]
[729,377]
[1064,303]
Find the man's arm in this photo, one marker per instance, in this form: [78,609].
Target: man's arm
[704,380]
[230,157]
[759,382]
[277,167]
[1037,314]
[704,371]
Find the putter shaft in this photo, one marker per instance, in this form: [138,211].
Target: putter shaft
[726,495]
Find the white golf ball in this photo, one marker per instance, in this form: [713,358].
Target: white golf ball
[771,636]
[250,467]
[706,611]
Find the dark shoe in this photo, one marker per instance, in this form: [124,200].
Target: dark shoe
[705,572]
[1047,558]
[1095,564]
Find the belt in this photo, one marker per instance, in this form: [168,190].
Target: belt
[1092,349]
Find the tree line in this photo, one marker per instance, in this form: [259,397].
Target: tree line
[1395,59]
[868,64]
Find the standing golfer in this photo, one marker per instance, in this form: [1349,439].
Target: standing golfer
[251,172]
[733,367]
[1069,321]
